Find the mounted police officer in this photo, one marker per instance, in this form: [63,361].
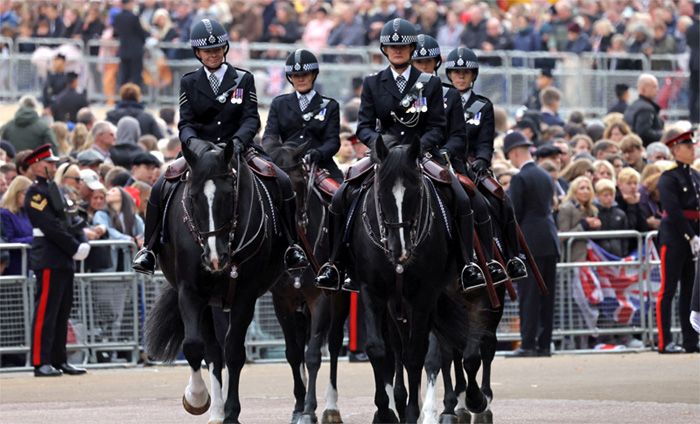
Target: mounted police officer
[679,237]
[427,58]
[58,241]
[305,115]
[218,104]
[462,69]
[403,102]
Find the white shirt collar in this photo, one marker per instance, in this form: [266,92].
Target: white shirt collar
[310,95]
[219,72]
[466,95]
[405,73]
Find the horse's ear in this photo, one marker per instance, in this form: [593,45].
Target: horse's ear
[190,156]
[228,152]
[300,149]
[271,145]
[380,148]
[414,150]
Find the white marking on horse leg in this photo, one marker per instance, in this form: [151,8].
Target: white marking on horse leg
[392,402]
[461,400]
[216,411]
[331,398]
[209,191]
[196,391]
[429,410]
[304,377]
[398,191]
[224,386]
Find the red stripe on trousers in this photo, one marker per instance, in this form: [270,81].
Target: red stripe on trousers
[660,296]
[352,345]
[40,313]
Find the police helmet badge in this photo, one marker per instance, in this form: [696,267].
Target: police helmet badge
[423,51]
[297,66]
[212,39]
[460,62]
[395,37]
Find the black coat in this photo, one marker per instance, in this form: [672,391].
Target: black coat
[203,116]
[456,132]
[636,220]
[147,122]
[680,191]
[619,107]
[60,240]
[614,219]
[285,121]
[131,35]
[531,192]
[55,84]
[381,96]
[123,154]
[66,106]
[643,118]
[481,129]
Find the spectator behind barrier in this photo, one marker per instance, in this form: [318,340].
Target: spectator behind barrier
[633,152]
[603,147]
[658,151]
[611,218]
[643,114]
[14,223]
[603,170]
[131,105]
[616,130]
[577,168]
[550,98]
[578,213]
[650,199]
[126,147]
[27,131]
[628,198]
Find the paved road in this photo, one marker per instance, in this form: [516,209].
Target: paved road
[620,388]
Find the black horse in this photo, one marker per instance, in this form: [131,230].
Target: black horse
[307,316]
[223,243]
[403,256]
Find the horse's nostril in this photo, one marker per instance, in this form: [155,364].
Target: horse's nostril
[215,264]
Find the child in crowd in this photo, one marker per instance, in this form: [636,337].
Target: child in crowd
[611,218]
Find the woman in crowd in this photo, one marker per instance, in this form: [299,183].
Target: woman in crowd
[578,168]
[616,130]
[67,177]
[14,223]
[603,170]
[578,213]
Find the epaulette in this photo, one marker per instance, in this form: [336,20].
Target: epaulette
[243,71]
[328,98]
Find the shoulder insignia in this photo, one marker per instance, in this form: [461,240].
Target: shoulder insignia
[253,97]
[183,98]
[37,197]
[39,205]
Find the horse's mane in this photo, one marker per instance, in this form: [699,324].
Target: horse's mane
[394,165]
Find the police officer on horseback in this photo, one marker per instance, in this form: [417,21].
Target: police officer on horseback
[401,101]
[462,69]
[427,58]
[305,116]
[218,104]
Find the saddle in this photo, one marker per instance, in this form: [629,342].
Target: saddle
[467,183]
[361,168]
[257,164]
[435,171]
[324,182]
[490,184]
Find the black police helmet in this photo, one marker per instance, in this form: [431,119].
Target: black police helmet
[398,32]
[301,61]
[208,34]
[462,58]
[427,47]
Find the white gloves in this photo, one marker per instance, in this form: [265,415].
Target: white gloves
[695,245]
[83,252]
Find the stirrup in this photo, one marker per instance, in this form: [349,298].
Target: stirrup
[325,279]
[349,285]
[295,263]
[144,262]
[472,277]
[516,268]
[498,273]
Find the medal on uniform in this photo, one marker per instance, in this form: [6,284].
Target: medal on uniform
[321,115]
[237,97]
[307,116]
[222,98]
[424,104]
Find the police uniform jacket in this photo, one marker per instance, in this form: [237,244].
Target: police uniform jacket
[481,128]
[456,133]
[204,116]
[55,83]
[55,239]
[322,128]
[680,200]
[381,96]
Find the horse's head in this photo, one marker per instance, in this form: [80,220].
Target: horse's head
[399,192]
[211,188]
[289,157]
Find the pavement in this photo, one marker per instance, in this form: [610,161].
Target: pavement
[596,388]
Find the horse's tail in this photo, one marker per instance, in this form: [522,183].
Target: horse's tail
[164,330]
[450,323]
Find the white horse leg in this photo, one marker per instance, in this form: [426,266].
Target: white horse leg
[461,401]
[196,395]
[389,388]
[216,411]
[331,398]
[429,411]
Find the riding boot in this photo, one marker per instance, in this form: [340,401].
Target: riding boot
[330,273]
[471,274]
[145,260]
[484,232]
[294,256]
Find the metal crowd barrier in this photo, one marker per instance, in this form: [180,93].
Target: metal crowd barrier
[110,307]
[507,77]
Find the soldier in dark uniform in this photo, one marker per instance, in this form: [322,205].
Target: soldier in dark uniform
[67,104]
[305,115]
[680,243]
[58,241]
[402,101]
[56,80]
[427,58]
[462,69]
[218,104]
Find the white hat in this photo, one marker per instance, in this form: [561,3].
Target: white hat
[91,179]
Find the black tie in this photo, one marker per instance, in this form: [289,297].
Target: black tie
[214,82]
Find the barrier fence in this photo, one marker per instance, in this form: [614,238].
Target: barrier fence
[109,308]
[506,77]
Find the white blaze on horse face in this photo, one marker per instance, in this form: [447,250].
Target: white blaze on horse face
[398,191]
[196,391]
[209,191]
[216,410]
[392,402]
[331,398]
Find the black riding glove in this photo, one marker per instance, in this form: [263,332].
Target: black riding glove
[480,165]
[314,155]
[238,147]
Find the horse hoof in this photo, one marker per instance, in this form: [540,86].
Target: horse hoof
[196,410]
[463,416]
[449,419]
[485,417]
[387,418]
[331,416]
[308,419]
[296,417]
